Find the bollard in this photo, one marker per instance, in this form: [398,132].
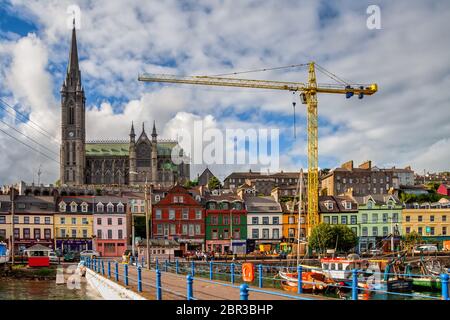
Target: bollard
[444,286]
[354,284]
[243,288]
[117,271]
[260,276]
[189,292]
[299,279]
[109,269]
[193,268]
[139,279]
[88,262]
[166,265]
[131,260]
[125,273]
[157,263]
[210,270]
[177,270]
[158,285]
[232,272]
[103,267]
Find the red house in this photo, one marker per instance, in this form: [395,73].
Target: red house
[444,189]
[178,216]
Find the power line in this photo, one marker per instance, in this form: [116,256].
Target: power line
[41,130]
[32,148]
[23,134]
[260,70]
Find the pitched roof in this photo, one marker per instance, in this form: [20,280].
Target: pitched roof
[107,149]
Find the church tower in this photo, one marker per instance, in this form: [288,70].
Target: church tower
[154,154]
[73,132]
[132,155]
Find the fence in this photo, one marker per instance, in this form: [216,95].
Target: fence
[265,277]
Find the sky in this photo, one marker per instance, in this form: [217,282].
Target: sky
[405,123]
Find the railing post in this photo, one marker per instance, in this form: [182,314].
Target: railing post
[157,263]
[299,279]
[125,273]
[158,284]
[354,284]
[260,276]
[189,290]
[177,267]
[193,268]
[109,269]
[142,262]
[210,270]
[139,279]
[117,271]
[94,265]
[243,291]
[444,286]
[166,265]
[103,267]
[87,262]
[232,272]
[131,260]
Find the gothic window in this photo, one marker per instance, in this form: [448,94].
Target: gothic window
[143,154]
[71,119]
[68,154]
[108,177]
[73,152]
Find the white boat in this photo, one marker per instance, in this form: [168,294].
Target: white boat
[4,253]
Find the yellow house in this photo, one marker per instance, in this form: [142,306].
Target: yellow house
[290,223]
[432,221]
[5,218]
[74,223]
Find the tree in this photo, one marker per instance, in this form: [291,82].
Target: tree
[214,183]
[410,240]
[326,236]
[191,183]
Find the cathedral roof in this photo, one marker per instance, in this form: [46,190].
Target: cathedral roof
[121,148]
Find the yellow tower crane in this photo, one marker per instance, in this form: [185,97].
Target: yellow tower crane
[308,94]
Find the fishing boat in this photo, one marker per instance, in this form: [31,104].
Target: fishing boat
[4,253]
[311,281]
[429,278]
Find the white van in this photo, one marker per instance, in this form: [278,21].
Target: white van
[53,257]
[426,249]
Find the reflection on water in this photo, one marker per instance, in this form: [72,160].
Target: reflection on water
[17,289]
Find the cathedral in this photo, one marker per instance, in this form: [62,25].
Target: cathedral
[127,162]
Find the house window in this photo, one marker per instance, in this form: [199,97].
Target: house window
[291,220]
[329,205]
[237,219]
[191,230]
[225,220]
[444,231]
[348,205]
[420,218]
[37,234]
[408,229]
[74,233]
[444,218]
[395,217]
[364,218]
[84,221]
[99,221]
[354,230]
[180,199]
[334,220]
[275,220]
[74,220]
[184,229]
[353,219]
[119,221]
[37,220]
[276,234]
[172,228]
[432,231]
[343,219]
[198,229]
[84,207]
[2,220]
[47,233]
[238,206]
[385,231]
[73,207]
[255,233]
[212,206]
[364,231]
[63,233]
[120,207]
[157,198]
[120,234]
[109,221]
[16,219]
[85,233]
[158,214]
[236,234]
[375,231]
[265,220]
[159,229]
[369,204]
[408,218]
[385,217]
[431,218]
[185,214]
[374,217]
[326,219]
[109,234]
[214,220]
[214,235]
[110,207]
[291,232]
[171,214]
[198,214]
[265,233]
[47,220]
[62,220]
[99,234]
[26,220]
[16,233]
[62,207]
[419,230]
[100,207]
[255,220]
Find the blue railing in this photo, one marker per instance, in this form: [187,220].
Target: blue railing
[265,274]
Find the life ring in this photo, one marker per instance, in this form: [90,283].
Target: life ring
[248,272]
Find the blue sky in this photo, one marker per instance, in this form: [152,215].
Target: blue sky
[406,57]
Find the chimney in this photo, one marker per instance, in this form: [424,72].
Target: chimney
[348,165]
[349,192]
[366,165]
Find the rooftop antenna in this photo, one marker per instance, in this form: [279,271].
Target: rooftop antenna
[39,174]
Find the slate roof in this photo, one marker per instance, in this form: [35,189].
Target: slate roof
[119,148]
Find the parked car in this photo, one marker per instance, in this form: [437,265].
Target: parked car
[53,257]
[69,256]
[426,249]
[376,252]
[90,254]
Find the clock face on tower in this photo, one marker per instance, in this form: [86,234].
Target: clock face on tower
[71,134]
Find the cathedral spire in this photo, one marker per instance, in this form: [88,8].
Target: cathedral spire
[132,129]
[154,134]
[73,70]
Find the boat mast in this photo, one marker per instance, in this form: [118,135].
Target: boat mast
[300,207]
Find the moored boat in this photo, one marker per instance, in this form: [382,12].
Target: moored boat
[311,281]
[4,253]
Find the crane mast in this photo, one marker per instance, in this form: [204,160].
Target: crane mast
[308,93]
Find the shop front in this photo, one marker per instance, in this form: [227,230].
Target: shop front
[73,245]
[190,245]
[20,245]
[111,248]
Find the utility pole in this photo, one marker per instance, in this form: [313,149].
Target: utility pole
[12,224]
[231,231]
[148,207]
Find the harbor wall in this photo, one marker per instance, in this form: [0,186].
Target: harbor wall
[108,289]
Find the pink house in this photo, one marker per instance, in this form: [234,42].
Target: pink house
[444,189]
[110,226]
